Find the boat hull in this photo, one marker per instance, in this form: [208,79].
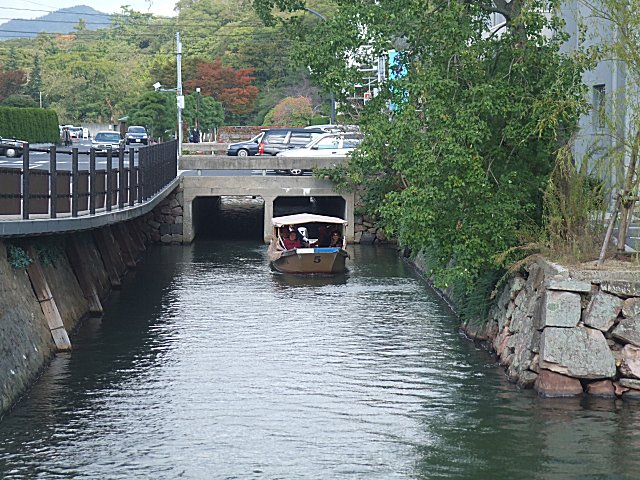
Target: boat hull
[311,260]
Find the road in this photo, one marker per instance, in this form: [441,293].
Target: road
[40,160]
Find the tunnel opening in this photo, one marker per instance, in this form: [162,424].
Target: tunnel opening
[228,217]
[330,206]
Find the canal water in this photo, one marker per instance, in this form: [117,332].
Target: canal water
[207,365]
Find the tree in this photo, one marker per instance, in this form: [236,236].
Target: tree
[210,112]
[458,165]
[34,86]
[291,111]
[231,87]
[11,82]
[156,111]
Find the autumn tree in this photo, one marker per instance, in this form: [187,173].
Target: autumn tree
[230,86]
[291,111]
[11,82]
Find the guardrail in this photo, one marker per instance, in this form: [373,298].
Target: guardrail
[48,193]
[205,148]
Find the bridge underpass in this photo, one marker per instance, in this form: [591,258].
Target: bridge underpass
[243,217]
[280,195]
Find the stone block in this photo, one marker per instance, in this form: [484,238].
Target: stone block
[561,309]
[527,379]
[601,388]
[631,307]
[166,238]
[179,219]
[165,229]
[367,238]
[622,288]
[357,238]
[176,229]
[628,330]
[602,311]
[578,352]
[630,383]
[551,384]
[630,361]
[569,285]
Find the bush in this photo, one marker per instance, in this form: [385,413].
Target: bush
[30,124]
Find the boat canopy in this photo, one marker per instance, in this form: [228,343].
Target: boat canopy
[301,218]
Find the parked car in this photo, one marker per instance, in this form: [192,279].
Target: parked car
[10,147]
[75,132]
[136,134]
[245,149]
[336,145]
[102,141]
[276,140]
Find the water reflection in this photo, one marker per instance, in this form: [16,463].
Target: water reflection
[209,365]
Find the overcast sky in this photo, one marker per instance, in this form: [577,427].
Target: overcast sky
[10,9]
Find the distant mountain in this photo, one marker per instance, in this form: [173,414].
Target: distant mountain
[60,21]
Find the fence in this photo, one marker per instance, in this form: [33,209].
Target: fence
[28,191]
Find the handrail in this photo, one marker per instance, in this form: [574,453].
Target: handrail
[29,193]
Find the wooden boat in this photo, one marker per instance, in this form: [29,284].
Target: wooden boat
[315,255]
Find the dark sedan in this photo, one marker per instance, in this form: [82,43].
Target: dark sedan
[245,149]
[10,147]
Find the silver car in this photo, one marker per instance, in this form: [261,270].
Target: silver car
[338,145]
[102,141]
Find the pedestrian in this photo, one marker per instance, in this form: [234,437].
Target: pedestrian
[66,137]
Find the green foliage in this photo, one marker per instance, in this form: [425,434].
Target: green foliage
[157,111]
[17,257]
[30,124]
[209,112]
[20,101]
[459,165]
[291,111]
[50,250]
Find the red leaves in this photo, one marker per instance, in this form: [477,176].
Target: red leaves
[230,86]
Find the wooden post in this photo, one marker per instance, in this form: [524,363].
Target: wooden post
[53,183]
[25,183]
[74,182]
[109,183]
[47,302]
[92,181]
[132,178]
[122,179]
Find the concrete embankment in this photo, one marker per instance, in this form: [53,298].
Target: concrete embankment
[567,332]
[49,284]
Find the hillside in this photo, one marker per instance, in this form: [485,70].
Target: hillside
[60,21]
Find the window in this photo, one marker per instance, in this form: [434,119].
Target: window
[599,106]
[300,138]
[328,143]
[275,138]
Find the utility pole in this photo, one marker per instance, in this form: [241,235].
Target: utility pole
[180,97]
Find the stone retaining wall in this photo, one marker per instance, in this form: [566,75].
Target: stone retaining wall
[164,223]
[566,333]
[42,304]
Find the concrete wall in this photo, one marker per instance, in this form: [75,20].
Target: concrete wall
[269,188]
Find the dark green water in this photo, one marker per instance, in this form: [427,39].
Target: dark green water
[208,365]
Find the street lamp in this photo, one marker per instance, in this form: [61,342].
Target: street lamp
[333,99]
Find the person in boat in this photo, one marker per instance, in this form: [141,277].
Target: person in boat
[292,241]
[324,237]
[336,239]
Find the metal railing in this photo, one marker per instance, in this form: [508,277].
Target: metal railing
[51,192]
